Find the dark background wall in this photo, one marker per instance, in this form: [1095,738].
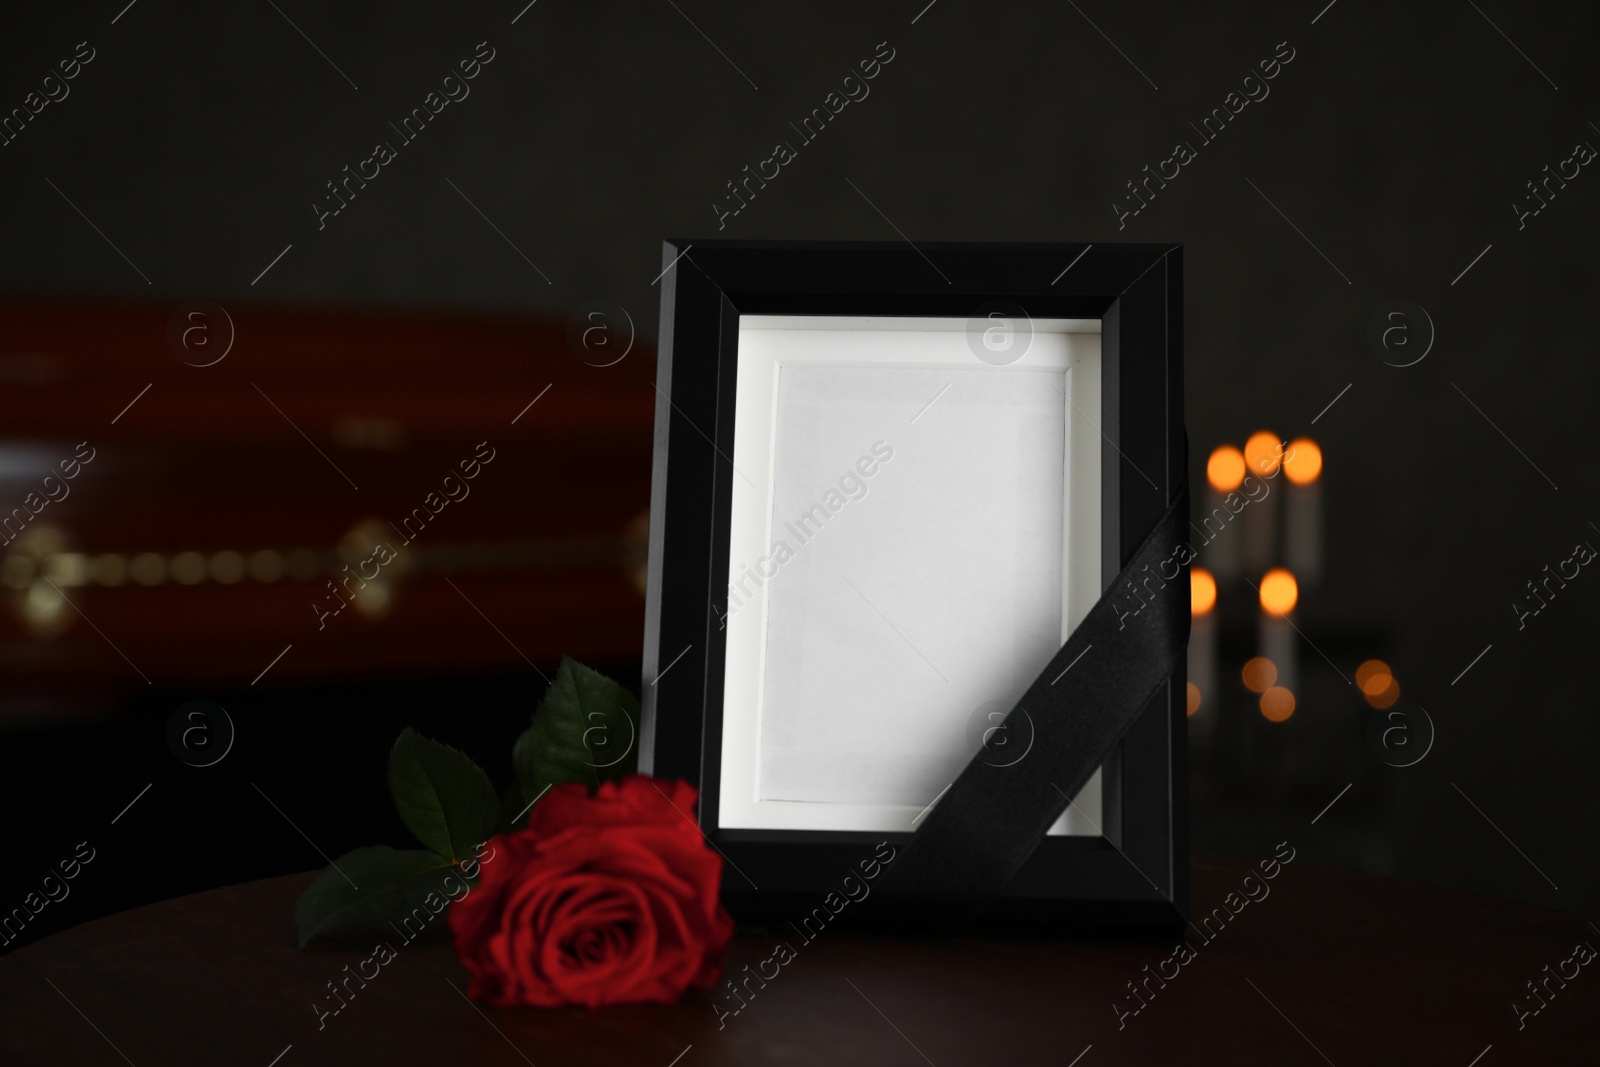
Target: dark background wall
[1387,157]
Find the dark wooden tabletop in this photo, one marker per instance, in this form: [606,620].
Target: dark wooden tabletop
[1327,967]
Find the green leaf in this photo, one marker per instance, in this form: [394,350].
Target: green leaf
[443,797]
[362,892]
[586,729]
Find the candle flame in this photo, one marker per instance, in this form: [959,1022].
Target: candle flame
[1264,452]
[1225,469]
[1303,462]
[1279,591]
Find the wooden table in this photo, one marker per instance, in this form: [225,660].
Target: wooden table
[1329,967]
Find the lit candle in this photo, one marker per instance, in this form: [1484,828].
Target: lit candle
[1302,523]
[1279,592]
[1263,453]
[1224,474]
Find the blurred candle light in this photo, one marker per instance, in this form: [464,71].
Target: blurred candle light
[1387,696]
[1258,674]
[1225,469]
[1371,676]
[1202,591]
[1279,593]
[1277,704]
[1263,453]
[1263,456]
[1302,463]
[1225,472]
[1377,683]
[1302,521]
[1202,636]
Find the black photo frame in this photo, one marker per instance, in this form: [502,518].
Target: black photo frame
[1134,876]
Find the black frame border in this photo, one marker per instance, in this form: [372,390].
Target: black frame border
[1135,877]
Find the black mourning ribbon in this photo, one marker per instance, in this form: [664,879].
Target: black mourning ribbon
[993,816]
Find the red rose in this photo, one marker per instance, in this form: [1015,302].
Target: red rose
[608,899]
